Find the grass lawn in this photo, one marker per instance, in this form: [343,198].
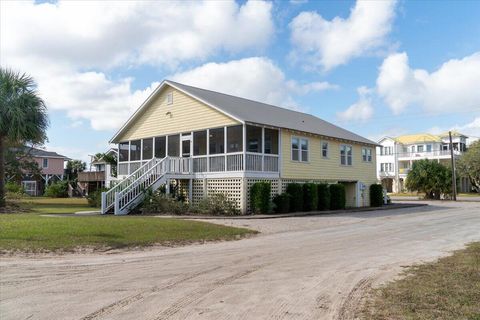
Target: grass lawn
[31,232]
[34,233]
[446,289]
[53,205]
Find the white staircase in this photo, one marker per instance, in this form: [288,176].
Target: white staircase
[130,192]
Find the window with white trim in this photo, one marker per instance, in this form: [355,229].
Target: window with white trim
[367,154]
[170,98]
[325,149]
[299,149]
[45,163]
[346,155]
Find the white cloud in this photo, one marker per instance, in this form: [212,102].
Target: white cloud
[328,44]
[69,47]
[453,87]
[107,33]
[256,78]
[362,110]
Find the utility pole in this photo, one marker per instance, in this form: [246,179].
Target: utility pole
[454,178]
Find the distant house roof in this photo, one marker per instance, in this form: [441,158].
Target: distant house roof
[249,111]
[421,137]
[40,153]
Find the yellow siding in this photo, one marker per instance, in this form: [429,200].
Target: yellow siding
[187,114]
[330,169]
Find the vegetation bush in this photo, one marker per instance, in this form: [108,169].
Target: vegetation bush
[94,199]
[295,191]
[323,197]
[337,196]
[310,197]
[260,197]
[158,202]
[216,205]
[376,195]
[13,187]
[430,177]
[281,203]
[57,190]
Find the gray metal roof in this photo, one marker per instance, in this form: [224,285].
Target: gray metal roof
[34,152]
[266,114]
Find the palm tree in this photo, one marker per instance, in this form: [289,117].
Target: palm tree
[23,116]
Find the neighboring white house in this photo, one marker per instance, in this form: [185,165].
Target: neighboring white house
[395,156]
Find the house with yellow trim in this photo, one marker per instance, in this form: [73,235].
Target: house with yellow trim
[396,155]
[206,142]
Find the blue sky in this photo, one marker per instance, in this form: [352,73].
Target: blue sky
[375,68]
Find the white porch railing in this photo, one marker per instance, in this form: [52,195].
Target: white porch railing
[108,197]
[128,189]
[216,163]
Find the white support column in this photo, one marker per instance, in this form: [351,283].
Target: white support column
[104,202]
[280,155]
[153,147]
[208,150]
[141,151]
[166,146]
[225,145]
[243,196]
[129,146]
[167,186]
[263,148]
[190,191]
[244,144]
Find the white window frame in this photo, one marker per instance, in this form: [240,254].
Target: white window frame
[346,146]
[299,150]
[321,149]
[43,163]
[170,97]
[367,154]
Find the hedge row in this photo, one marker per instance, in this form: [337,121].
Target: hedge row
[298,197]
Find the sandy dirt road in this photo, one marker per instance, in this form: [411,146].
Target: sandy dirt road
[298,268]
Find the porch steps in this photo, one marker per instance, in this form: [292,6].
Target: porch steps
[130,192]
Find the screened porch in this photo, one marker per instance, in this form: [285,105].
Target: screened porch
[224,149]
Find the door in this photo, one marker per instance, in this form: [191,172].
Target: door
[186,145]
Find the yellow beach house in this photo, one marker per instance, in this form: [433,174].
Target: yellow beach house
[208,142]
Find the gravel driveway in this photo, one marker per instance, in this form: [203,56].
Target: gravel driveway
[298,268]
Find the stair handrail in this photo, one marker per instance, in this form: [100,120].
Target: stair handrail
[108,197]
[142,183]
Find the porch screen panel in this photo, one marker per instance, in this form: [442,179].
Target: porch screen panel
[254,139]
[123,151]
[200,143]
[174,145]
[135,150]
[217,141]
[160,147]
[147,149]
[271,141]
[235,139]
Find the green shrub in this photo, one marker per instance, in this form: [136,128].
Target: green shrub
[216,205]
[310,197]
[281,203]
[57,190]
[13,187]
[295,191]
[323,196]
[260,197]
[94,199]
[337,196]
[158,202]
[376,195]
